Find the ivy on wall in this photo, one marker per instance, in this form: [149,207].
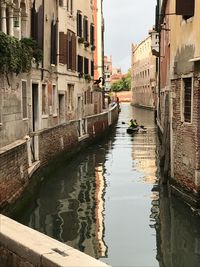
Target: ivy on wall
[16,56]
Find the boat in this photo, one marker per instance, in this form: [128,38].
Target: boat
[131,130]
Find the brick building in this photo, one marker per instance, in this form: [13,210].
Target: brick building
[179,85]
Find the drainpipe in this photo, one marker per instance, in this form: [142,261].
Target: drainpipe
[42,70]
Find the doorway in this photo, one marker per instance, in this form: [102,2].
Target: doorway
[61,102]
[35,107]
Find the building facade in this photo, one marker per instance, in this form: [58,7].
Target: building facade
[107,72]
[143,72]
[180,77]
[47,94]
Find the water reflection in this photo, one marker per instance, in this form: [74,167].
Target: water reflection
[179,233]
[70,206]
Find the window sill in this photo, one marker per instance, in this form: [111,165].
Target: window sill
[25,119]
[45,116]
[55,115]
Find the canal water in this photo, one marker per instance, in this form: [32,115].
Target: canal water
[107,203]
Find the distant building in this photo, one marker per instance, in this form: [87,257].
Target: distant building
[117,75]
[107,72]
[98,39]
[143,73]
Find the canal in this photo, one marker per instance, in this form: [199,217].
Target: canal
[107,203]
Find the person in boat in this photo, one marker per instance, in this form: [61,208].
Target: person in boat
[133,124]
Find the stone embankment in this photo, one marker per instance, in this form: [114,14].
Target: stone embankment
[21,246]
[21,159]
[125,96]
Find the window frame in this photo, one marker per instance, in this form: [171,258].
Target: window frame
[182,102]
[22,106]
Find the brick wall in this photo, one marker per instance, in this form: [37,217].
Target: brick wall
[54,141]
[185,140]
[61,140]
[13,171]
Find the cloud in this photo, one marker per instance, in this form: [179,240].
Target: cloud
[126,22]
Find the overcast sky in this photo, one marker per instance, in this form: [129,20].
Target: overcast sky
[126,22]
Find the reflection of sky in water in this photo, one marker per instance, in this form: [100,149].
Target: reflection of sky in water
[100,203]
[128,196]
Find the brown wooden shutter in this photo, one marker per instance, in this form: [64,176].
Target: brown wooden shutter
[185,7]
[68,52]
[62,48]
[65,49]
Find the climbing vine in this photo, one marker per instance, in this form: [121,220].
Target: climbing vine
[16,56]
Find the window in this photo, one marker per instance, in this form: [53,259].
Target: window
[44,100]
[79,24]
[71,7]
[185,8]
[62,47]
[91,34]
[187,101]
[92,68]
[24,100]
[54,43]
[70,94]
[85,29]
[37,24]
[80,64]
[71,50]
[54,100]
[86,69]
[60,2]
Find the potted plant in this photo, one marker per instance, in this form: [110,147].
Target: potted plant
[80,40]
[87,77]
[93,47]
[86,44]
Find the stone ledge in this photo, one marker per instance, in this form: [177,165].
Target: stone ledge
[40,250]
[12,146]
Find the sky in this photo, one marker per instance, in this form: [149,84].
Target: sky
[126,22]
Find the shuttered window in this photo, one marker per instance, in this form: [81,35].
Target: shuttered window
[37,25]
[44,100]
[80,64]
[24,100]
[91,34]
[71,50]
[62,48]
[85,29]
[79,24]
[86,67]
[54,43]
[187,83]
[60,2]
[185,8]
[92,68]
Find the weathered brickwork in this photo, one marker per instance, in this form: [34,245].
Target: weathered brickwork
[53,142]
[185,139]
[13,173]
[8,258]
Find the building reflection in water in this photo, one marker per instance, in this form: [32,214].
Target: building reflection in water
[178,236]
[70,207]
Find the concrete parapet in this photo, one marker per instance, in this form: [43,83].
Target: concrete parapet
[23,246]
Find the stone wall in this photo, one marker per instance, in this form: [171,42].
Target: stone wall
[13,171]
[21,246]
[17,163]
